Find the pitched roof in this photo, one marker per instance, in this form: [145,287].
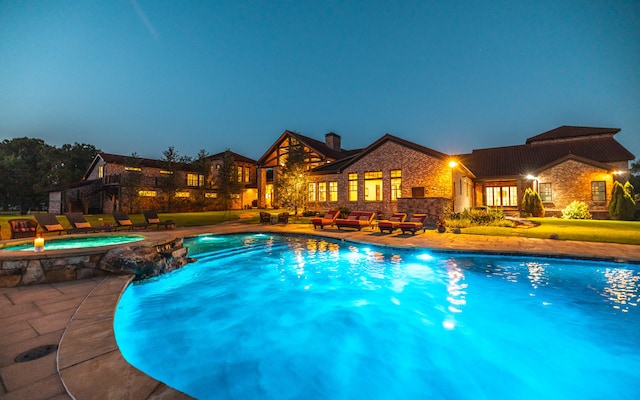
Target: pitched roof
[317,146]
[572,132]
[236,157]
[124,160]
[524,159]
[339,165]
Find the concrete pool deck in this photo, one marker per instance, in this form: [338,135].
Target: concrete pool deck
[78,315]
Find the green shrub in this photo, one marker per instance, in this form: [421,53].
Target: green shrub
[532,203]
[477,217]
[622,205]
[576,210]
[309,213]
[344,212]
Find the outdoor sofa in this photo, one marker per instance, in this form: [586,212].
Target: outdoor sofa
[22,228]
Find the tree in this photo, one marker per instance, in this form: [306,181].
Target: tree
[172,180]
[622,205]
[201,166]
[26,172]
[634,179]
[227,180]
[131,182]
[71,162]
[291,183]
[532,203]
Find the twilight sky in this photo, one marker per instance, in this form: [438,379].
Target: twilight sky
[142,75]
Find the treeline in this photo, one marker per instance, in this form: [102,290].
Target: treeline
[29,167]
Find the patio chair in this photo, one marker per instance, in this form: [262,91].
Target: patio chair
[123,221]
[22,228]
[265,217]
[415,223]
[392,223]
[328,219]
[151,217]
[283,218]
[356,220]
[79,224]
[49,223]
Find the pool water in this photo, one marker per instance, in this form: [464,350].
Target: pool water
[78,242]
[278,317]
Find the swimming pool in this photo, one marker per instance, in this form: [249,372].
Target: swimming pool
[80,242]
[283,317]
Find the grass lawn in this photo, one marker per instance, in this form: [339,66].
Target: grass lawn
[583,230]
[627,232]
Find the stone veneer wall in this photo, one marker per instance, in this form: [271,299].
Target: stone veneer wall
[571,180]
[418,170]
[434,207]
[142,260]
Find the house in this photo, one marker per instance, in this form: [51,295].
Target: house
[564,164]
[390,175]
[246,174]
[114,182]
[318,154]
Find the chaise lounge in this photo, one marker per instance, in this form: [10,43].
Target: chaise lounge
[328,219]
[151,217]
[123,221]
[49,223]
[415,223]
[356,220]
[79,224]
[392,223]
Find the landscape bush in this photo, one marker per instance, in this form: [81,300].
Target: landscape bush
[477,217]
[532,203]
[576,210]
[622,206]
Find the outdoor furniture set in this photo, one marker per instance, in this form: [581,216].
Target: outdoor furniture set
[49,223]
[267,218]
[362,219]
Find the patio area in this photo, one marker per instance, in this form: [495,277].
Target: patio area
[77,316]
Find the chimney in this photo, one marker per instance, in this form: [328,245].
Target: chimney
[332,140]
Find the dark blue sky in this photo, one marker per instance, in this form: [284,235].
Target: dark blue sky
[142,75]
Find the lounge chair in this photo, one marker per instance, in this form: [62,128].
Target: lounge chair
[151,217]
[123,221]
[79,224]
[328,219]
[356,220]
[283,218]
[22,228]
[392,223]
[265,217]
[49,223]
[415,223]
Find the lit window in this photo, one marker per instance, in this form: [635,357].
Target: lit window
[598,191]
[100,171]
[182,194]
[396,184]
[502,196]
[353,187]
[195,180]
[247,174]
[322,191]
[373,186]
[312,192]
[211,195]
[239,172]
[165,172]
[333,191]
[136,169]
[545,192]
[147,193]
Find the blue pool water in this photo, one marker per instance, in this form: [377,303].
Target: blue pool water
[277,317]
[78,242]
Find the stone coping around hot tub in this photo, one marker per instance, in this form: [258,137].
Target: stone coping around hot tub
[22,268]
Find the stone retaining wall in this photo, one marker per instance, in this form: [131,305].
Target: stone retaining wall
[142,259]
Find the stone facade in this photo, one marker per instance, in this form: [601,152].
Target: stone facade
[572,180]
[431,175]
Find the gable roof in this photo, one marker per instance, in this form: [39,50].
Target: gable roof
[317,146]
[124,160]
[596,144]
[338,166]
[572,132]
[236,157]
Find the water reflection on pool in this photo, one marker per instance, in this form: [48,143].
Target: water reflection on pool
[77,242]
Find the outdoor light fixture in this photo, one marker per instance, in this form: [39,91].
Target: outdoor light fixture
[531,177]
[453,164]
[38,245]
